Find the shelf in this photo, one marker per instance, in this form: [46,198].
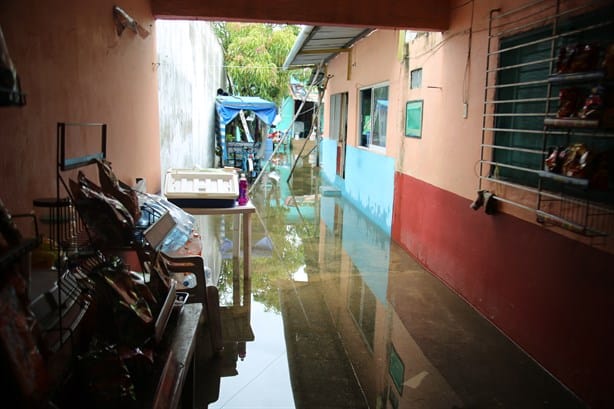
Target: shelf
[571,123]
[564,179]
[543,217]
[576,77]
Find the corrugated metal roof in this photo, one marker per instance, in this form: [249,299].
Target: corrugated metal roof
[317,45]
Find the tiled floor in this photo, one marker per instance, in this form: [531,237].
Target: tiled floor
[338,316]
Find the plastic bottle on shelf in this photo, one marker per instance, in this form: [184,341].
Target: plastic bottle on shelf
[243,198]
[188,280]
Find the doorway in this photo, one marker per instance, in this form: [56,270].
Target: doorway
[338,131]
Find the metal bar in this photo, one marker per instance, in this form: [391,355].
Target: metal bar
[508,166]
[484,109]
[550,38]
[516,47]
[517,84]
[548,92]
[509,148]
[527,131]
[537,21]
[522,206]
[83,124]
[517,10]
[526,64]
[516,115]
[510,184]
[543,20]
[575,201]
[524,27]
[522,100]
[582,132]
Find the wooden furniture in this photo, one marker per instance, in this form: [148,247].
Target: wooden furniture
[177,380]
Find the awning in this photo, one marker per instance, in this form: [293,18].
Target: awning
[228,107]
[317,45]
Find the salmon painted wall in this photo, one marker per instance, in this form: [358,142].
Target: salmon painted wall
[75,68]
[550,293]
[372,61]
[447,152]
[369,175]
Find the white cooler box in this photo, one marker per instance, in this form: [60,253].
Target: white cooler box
[192,188]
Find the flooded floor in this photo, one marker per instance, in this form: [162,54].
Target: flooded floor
[336,315]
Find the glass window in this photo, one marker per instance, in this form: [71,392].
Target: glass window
[373,116]
[415,78]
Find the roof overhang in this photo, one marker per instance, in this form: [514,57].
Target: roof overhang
[317,45]
[392,14]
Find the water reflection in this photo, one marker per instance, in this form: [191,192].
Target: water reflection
[338,316]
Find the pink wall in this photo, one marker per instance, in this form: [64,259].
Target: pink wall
[75,68]
[550,294]
[453,72]
[373,61]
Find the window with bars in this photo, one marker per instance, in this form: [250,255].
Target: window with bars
[525,97]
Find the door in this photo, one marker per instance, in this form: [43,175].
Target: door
[339,120]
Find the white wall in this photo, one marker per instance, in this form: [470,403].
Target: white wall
[190,71]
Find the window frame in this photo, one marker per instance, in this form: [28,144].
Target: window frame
[415,78]
[366,141]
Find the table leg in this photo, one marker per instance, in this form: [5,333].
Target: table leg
[247,247]
[236,243]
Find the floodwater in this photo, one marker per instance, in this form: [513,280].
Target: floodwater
[336,315]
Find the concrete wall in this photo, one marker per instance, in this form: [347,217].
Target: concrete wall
[190,72]
[75,68]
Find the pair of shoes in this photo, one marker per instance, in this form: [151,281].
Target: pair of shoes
[486,199]
[479,200]
[490,204]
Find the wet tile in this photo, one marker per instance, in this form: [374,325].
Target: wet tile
[336,315]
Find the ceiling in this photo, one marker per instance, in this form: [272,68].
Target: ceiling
[401,14]
[317,45]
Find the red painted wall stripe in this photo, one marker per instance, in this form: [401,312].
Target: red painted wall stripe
[552,295]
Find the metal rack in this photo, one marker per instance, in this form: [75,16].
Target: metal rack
[70,294]
[519,117]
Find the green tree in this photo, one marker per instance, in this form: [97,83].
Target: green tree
[254,54]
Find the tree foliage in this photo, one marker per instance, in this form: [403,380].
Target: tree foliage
[254,54]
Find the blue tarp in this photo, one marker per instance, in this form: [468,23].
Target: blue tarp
[228,107]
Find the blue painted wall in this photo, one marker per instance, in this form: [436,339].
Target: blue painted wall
[369,248]
[327,212]
[369,182]
[366,244]
[328,162]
